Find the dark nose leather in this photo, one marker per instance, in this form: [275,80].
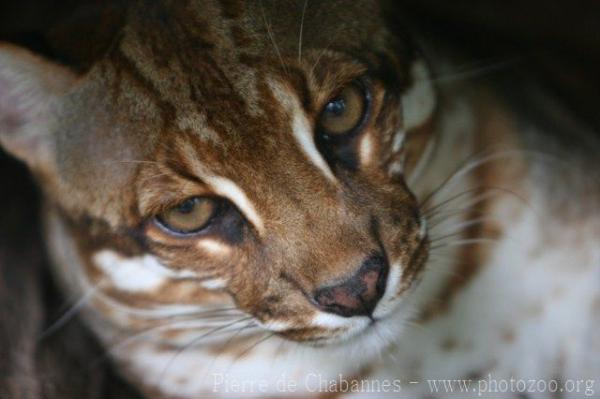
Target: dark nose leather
[358,295]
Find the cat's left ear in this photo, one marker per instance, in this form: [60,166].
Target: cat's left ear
[31,89]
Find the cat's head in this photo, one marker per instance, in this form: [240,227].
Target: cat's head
[241,152]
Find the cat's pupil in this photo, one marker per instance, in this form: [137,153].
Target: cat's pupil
[187,206]
[336,107]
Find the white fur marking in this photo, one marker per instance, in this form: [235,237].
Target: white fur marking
[214,284]
[229,189]
[303,134]
[276,326]
[389,302]
[301,128]
[141,273]
[366,149]
[213,246]
[328,320]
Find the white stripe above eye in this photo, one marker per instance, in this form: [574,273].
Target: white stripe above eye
[304,136]
[232,192]
[418,103]
[301,129]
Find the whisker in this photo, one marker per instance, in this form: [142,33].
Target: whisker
[171,325]
[177,325]
[301,31]
[463,225]
[446,236]
[463,165]
[471,163]
[248,350]
[439,217]
[444,217]
[71,312]
[157,312]
[476,71]
[194,341]
[250,325]
[134,161]
[324,51]
[470,206]
[95,292]
[270,33]
[431,211]
[424,160]
[465,242]
[468,166]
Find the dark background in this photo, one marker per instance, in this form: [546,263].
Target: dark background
[555,41]
[555,44]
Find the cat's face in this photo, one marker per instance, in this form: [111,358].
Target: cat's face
[237,152]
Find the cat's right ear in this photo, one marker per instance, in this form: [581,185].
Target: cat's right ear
[30,92]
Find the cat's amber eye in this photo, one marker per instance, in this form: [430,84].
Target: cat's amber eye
[344,113]
[190,216]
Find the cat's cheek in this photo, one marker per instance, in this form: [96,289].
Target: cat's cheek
[214,247]
[135,274]
[144,282]
[211,259]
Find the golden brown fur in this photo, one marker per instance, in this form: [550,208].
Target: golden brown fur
[218,100]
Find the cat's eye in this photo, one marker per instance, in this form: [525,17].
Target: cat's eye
[190,216]
[344,113]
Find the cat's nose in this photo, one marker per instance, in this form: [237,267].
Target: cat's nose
[358,295]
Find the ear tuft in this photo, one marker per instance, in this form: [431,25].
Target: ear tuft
[30,88]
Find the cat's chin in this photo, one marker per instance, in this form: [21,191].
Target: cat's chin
[372,338]
[363,334]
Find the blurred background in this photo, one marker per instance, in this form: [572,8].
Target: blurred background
[554,44]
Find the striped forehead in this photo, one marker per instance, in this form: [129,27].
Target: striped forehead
[190,84]
[255,161]
[212,53]
[248,155]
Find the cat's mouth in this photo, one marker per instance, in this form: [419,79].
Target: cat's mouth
[381,326]
[371,332]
